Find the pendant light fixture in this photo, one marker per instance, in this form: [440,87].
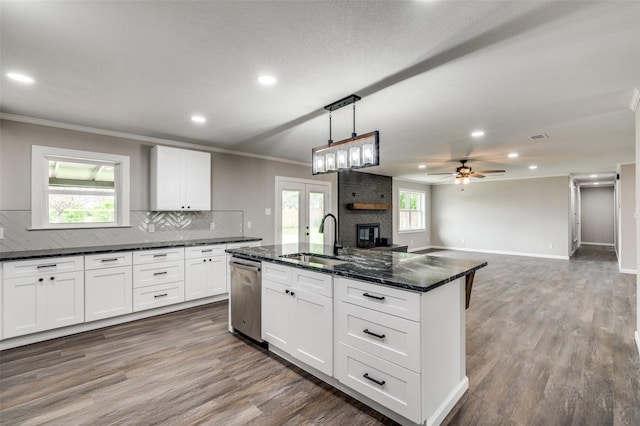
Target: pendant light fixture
[354,153]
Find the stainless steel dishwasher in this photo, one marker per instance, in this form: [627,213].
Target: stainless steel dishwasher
[246,297]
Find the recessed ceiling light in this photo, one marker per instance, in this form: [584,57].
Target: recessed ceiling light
[533,167]
[513,154]
[198,119]
[20,77]
[594,176]
[267,80]
[596,183]
[477,133]
[422,166]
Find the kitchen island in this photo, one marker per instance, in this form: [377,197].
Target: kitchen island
[384,327]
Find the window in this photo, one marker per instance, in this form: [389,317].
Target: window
[78,189]
[411,210]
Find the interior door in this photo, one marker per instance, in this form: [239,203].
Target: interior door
[300,207]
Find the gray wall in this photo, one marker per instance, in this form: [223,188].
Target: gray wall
[596,215]
[359,187]
[414,240]
[627,220]
[239,183]
[526,216]
[637,112]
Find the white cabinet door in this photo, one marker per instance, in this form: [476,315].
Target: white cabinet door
[277,314]
[24,306]
[108,292]
[65,299]
[180,179]
[197,180]
[313,343]
[43,302]
[206,276]
[196,278]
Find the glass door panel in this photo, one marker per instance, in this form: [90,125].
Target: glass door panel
[290,233]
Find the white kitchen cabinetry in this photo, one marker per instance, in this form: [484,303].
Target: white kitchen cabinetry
[108,280]
[205,271]
[403,350]
[158,278]
[42,294]
[180,179]
[297,314]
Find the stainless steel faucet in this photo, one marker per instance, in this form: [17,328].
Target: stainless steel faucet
[336,246]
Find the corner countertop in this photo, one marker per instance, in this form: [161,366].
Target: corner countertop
[409,271]
[74,251]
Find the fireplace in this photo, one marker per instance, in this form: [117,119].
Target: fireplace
[368,235]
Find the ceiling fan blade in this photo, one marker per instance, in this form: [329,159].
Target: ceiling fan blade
[437,174]
[447,177]
[490,171]
[477,175]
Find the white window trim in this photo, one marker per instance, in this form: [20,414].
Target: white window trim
[40,181]
[423,210]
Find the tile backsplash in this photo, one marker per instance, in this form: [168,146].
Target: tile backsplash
[169,226]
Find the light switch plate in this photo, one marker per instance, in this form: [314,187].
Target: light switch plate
[248,225]
[1,233]
[151,227]
[212,226]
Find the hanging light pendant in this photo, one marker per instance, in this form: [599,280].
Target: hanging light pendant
[354,153]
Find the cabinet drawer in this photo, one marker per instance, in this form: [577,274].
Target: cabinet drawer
[204,251]
[386,336]
[51,265]
[107,260]
[277,273]
[145,275]
[388,384]
[313,282]
[244,244]
[401,303]
[153,256]
[158,295]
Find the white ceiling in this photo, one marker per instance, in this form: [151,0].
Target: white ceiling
[429,73]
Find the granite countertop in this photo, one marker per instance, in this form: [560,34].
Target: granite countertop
[414,272]
[72,251]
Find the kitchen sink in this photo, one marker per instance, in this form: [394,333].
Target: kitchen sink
[311,258]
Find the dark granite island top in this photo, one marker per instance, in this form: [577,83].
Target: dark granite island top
[413,272]
[75,251]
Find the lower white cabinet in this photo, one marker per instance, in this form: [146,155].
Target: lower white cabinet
[108,285]
[298,321]
[158,295]
[205,271]
[42,302]
[156,281]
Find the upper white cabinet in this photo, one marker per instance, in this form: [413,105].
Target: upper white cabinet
[180,179]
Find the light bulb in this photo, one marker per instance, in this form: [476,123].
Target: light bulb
[319,164]
[342,159]
[354,156]
[330,161]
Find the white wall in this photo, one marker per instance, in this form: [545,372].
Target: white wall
[596,216]
[637,112]
[238,182]
[414,240]
[526,216]
[627,220]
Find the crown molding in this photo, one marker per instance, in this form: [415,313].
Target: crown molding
[140,138]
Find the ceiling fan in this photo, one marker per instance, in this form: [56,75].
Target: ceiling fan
[464,173]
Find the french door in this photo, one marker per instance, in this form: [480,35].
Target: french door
[300,207]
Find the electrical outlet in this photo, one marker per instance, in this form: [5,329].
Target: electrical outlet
[1,233]
[550,246]
[151,227]
[463,241]
[212,226]
[267,212]
[248,225]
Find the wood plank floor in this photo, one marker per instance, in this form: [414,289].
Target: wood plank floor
[549,342]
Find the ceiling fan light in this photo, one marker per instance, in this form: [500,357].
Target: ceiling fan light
[466,180]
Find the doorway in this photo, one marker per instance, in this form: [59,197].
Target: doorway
[300,206]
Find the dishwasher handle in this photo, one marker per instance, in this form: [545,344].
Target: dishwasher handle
[245,267]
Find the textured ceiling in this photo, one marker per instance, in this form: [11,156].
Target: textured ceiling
[429,73]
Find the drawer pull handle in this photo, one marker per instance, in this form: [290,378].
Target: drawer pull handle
[379,336]
[160,255]
[372,296]
[377,382]
[161,295]
[160,273]
[207,251]
[113,259]
[52,265]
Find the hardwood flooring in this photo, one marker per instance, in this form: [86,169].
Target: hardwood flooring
[549,342]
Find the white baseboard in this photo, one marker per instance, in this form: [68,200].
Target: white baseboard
[443,410]
[638,340]
[28,339]
[509,253]
[419,248]
[627,271]
[597,244]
